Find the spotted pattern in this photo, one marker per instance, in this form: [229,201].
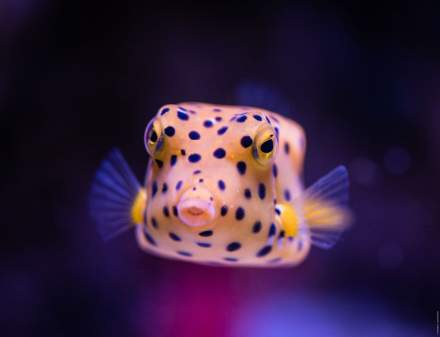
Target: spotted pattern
[261,191]
[154,189]
[264,251]
[194,157]
[221,185]
[222,130]
[241,167]
[246,141]
[219,153]
[241,119]
[173,160]
[239,213]
[182,115]
[208,123]
[233,246]
[256,192]
[286,148]
[174,236]
[206,233]
[194,135]
[257,227]
[184,253]
[164,111]
[170,131]
[150,239]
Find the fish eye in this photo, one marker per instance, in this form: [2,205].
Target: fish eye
[153,137]
[265,145]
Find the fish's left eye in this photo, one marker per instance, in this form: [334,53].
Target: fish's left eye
[153,137]
[264,145]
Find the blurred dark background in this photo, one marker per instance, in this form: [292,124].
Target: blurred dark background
[79,77]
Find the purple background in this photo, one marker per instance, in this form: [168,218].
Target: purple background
[77,78]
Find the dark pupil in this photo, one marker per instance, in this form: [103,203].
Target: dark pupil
[267,146]
[153,136]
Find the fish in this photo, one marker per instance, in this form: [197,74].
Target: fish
[223,186]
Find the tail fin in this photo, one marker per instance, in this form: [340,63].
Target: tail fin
[325,209]
[116,197]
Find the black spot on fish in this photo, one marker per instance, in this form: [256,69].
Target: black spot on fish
[184,253]
[164,111]
[204,244]
[154,189]
[194,135]
[219,153]
[272,230]
[221,185]
[264,251]
[239,213]
[174,236]
[173,160]
[241,119]
[224,210]
[150,239]
[286,148]
[169,131]
[233,246]
[182,115]
[257,227]
[241,167]
[222,130]
[194,157]
[275,170]
[206,233]
[287,195]
[208,123]
[246,141]
[261,191]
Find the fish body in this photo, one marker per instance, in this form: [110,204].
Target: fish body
[223,186]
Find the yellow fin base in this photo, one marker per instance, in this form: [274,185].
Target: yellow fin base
[138,208]
[288,219]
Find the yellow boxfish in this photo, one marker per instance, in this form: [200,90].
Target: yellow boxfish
[223,187]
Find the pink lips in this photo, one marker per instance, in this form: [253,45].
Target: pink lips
[196,207]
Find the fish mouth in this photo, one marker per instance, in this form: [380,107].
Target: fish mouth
[196,210]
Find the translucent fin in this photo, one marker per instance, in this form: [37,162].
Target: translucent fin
[113,195]
[325,208]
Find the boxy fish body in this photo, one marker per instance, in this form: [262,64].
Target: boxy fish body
[223,186]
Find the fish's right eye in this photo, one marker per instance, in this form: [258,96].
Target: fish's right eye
[153,137]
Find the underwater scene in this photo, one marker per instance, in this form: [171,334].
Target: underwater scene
[220,170]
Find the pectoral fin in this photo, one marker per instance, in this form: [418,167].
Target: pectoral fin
[325,210]
[117,200]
